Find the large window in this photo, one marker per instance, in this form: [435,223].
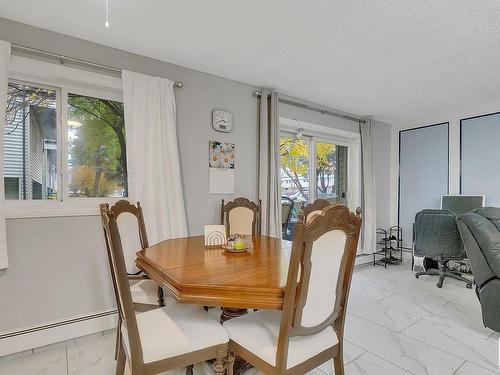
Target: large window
[95,153]
[294,169]
[64,140]
[331,172]
[63,144]
[97,161]
[30,149]
[305,178]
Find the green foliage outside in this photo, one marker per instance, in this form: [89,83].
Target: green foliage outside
[294,158]
[97,153]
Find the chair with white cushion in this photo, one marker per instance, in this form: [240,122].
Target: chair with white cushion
[309,331]
[161,339]
[146,293]
[241,216]
[308,212]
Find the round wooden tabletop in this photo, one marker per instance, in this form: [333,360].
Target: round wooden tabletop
[214,277]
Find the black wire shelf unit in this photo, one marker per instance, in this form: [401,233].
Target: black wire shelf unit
[389,246]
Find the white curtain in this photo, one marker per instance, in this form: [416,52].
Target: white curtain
[4,77]
[368,207]
[269,165]
[152,154]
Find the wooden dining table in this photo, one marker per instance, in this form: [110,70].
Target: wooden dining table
[193,273]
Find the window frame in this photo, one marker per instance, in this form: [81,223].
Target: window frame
[63,80]
[321,134]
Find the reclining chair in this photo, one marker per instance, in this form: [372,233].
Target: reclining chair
[480,231]
[437,237]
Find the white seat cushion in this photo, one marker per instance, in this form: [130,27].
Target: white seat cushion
[175,330]
[258,333]
[146,291]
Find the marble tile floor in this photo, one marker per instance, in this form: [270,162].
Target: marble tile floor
[396,325]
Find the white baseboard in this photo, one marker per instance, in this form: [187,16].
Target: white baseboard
[34,337]
[363,259]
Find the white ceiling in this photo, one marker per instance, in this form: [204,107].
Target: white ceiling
[398,61]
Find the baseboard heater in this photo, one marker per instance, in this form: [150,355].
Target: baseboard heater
[46,334]
[58,324]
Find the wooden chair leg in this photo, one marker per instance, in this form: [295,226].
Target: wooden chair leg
[118,337]
[161,301]
[120,364]
[218,366]
[338,363]
[229,363]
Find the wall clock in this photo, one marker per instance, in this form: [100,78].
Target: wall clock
[222,120]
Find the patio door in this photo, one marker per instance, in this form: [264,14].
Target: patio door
[311,168]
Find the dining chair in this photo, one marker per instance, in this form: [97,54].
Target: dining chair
[164,338]
[310,210]
[146,294]
[241,216]
[310,328]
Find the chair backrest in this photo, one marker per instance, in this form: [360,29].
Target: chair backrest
[437,235]
[319,275]
[286,209]
[130,222]
[121,282]
[241,216]
[308,212]
[480,231]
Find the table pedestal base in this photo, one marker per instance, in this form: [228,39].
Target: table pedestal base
[240,365]
[228,313]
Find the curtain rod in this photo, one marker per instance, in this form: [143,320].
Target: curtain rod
[323,111]
[62,58]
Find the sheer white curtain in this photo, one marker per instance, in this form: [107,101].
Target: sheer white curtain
[269,165]
[152,154]
[4,77]
[369,214]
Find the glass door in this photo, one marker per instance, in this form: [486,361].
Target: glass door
[295,179]
[331,172]
[310,169]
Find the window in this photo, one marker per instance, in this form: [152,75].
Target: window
[294,158]
[65,142]
[96,152]
[97,161]
[331,172]
[30,145]
[12,187]
[305,178]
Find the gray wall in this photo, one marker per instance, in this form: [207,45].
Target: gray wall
[58,270]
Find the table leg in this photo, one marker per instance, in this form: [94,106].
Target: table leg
[240,365]
[228,313]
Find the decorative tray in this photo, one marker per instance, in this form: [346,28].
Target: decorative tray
[230,249]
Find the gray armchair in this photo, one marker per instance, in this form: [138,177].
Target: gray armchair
[480,231]
[437,237]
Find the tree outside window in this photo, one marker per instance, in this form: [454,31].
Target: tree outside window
[294,157]
[96,147]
